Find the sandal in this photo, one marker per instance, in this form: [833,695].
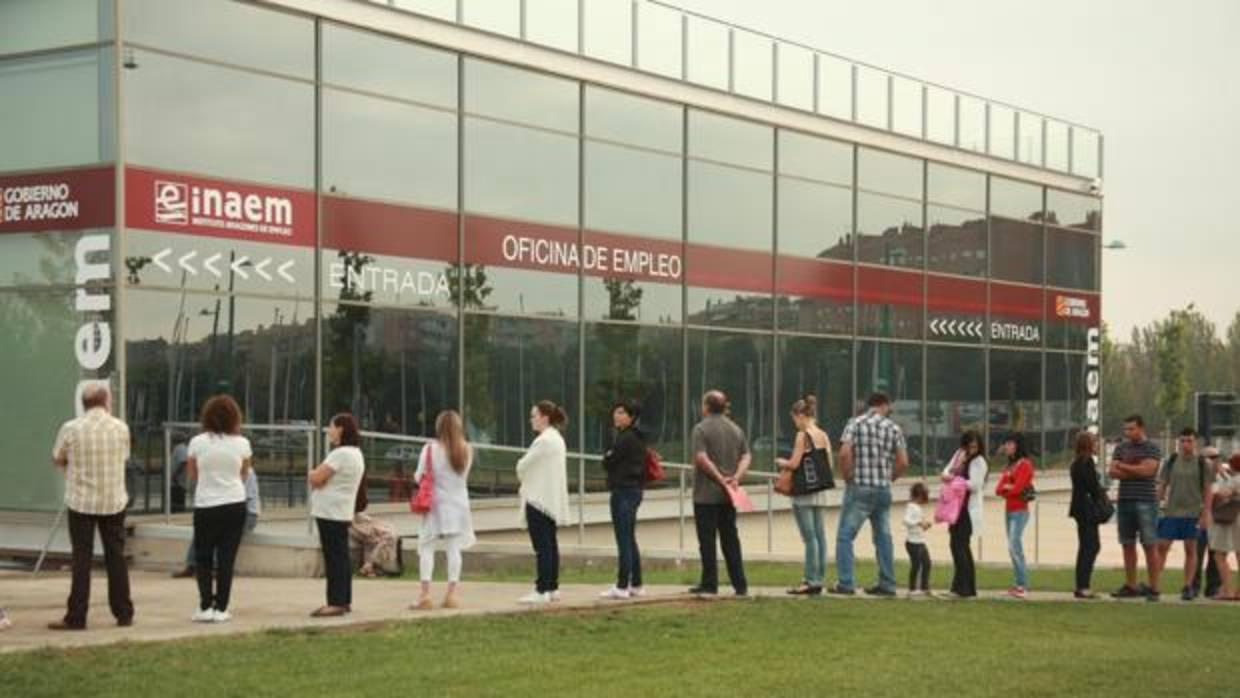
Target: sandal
[805,589]
[328,612]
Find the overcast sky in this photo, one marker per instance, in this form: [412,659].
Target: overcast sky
[1159,79]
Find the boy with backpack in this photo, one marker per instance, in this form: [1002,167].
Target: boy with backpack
[1183,486]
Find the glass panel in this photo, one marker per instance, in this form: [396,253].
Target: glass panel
[708,53]
[351,271]
[40,365]
[1065,407]
[1016,314]
[375,63]
[1072,259]
[1015,251]
[752,65]
[443,9]
[552,23]
[1016,397]
[890,303]
[834,87]
[1057,145]
[815,158]
[519,95]
[1073,210]
[889,231]
[894,369]
[388,150]
[729,140]
[633,191]
[35,25]
[230,32]
[54,111]
[511,363]
[635,363]
[499,16]
[872,97]
[619,299]
[658,39]
[1069,318]
[956,187]
[721,307]
[1030,149]
[956,240]
[729,207]
[499,181]
[40,259]
[972,124]
[889,174]
[940,115]
[1085,152]
[815,296]
[818,367]
[1002,131]
[520,291]
[815,220]
[1014,199]
[796,77]
[394,369]
[220,264]
[906,107]
[740,366]
[955,399]
[617,116]
[232,124]
[955,309]
[609,30]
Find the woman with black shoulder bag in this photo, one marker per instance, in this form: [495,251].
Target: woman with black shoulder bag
[1089,507]
[806,477]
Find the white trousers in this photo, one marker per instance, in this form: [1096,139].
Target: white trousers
[426,559]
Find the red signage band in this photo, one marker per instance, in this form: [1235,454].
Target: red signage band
[814,278]
[66,200]
[389,229]
[179,203]
[1016,301]
[889,286]
[947,294]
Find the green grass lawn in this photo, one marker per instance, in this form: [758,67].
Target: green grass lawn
[765,647]
[778,574]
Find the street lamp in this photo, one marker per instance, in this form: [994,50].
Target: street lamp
[1115,245]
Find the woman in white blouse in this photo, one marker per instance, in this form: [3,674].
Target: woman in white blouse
[968,463]
[333,497]
[448,526]
[543,474]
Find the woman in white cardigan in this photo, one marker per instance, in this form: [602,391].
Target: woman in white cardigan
[971,464]
[543,474]
[449,525]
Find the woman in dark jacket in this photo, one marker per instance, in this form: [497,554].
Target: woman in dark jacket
[625,463]
[1085,491]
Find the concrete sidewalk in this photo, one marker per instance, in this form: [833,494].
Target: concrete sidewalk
[164,606]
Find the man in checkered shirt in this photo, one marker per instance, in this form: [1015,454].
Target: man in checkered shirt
[92,450]
[872,455]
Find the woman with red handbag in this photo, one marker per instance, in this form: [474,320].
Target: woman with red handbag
[625,464]
[447,524]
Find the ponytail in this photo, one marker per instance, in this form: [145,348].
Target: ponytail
[554,414]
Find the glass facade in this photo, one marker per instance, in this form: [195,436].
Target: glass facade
[335,219]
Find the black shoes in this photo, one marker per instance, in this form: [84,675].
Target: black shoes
[700,590]
[877,590]
[841,590]
[1127,592]
[806,589]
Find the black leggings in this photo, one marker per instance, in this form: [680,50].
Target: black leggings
[919,570]
[1087,547]
[964,576]
[337,566]
[546,549]
[217,535]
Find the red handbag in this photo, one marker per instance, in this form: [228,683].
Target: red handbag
[420,502]
[653,470]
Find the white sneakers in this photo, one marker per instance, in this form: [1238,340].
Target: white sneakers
[5,623]
[616,594]
[536,598]
[210,615]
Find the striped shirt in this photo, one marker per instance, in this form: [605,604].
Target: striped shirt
[1132,453]
[875,439]
[96,446]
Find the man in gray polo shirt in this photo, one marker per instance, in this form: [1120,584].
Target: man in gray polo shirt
[721,456]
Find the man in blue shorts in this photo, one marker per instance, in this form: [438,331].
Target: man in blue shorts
[1134,462]
[1183,488]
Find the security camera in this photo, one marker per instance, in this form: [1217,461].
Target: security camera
[1095,186]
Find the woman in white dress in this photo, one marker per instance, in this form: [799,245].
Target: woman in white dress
[448,526]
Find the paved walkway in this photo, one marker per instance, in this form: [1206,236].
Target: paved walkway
[164,606]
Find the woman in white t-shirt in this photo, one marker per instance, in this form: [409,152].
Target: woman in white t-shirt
[333,495]
[448,526]
[219,459]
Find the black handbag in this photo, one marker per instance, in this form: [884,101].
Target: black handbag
[1101,508]
[812,476]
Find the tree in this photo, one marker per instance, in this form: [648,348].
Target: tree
[1171,352]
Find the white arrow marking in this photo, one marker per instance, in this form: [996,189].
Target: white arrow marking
[158,259]
[209,263]
[951,327]
[977,329]
[282,270]
[937,326]
[182,262]
[236,267]
[260,269]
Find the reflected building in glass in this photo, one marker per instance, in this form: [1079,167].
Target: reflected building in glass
[399,208]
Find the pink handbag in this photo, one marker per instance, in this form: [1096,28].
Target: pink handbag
[952,497]
[420,502]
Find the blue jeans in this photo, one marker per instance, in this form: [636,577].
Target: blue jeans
[814,535]
[624,504]
[1016,522]
[861,504]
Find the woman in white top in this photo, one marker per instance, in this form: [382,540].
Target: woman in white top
[1225,537]
[968,463]
[219,459]
[543,474]
[448,526]
[333,497]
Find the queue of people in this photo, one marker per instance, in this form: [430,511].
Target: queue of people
[1191,498]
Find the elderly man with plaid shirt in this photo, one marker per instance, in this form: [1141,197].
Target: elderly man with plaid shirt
[93,449]
[872,455]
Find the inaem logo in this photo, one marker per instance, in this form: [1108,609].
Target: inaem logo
[171,203]
[1067,306]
